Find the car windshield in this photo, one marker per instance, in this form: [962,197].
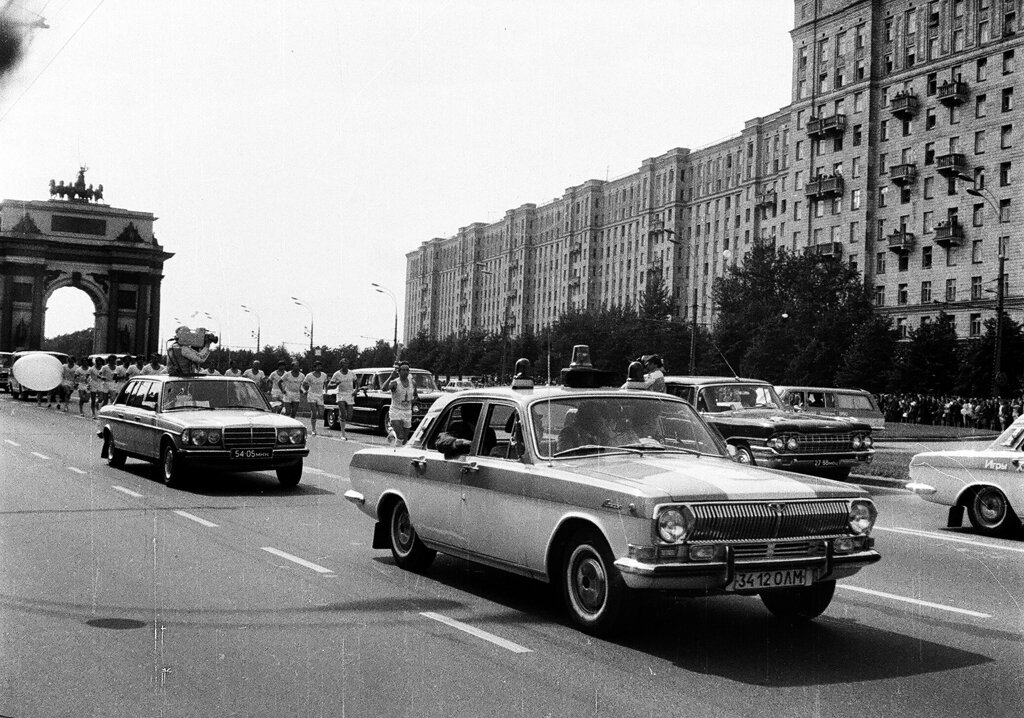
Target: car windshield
[423,381]
[1012,438]
[217,394]
[732,397]
[576,426]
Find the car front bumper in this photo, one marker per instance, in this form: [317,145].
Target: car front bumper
[715,576]
[223,460]
[764,456]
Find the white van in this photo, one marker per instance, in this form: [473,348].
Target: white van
[830,401]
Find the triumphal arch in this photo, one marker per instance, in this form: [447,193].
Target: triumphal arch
[74,240]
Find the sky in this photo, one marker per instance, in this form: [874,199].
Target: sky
[303,149]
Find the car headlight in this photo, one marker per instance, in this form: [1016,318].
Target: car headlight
[868,442]
[792,444]
[777,443]
[674,524]
[862,516]
[858,441]
[291,436]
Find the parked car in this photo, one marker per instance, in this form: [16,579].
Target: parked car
[600,490]
[6,361]
[215,422]
[987,483]
[765,431]
[458,385]
[16,389]
[371,403]
[826,401]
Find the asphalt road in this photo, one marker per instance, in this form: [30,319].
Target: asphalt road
[122,597]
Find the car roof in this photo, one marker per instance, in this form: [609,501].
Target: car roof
[190,377]
[783,387]
[368,369]
[541,393]
[694,380]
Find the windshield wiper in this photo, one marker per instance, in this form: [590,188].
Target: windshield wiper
[188,406]
[593,447]
[241,406]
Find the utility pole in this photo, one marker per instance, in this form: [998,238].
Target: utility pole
[693,335]
[997,358]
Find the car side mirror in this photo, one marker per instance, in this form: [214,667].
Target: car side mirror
[732,451]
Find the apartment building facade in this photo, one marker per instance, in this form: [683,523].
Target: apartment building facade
[898,107]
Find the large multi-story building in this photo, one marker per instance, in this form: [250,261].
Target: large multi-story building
[899,153]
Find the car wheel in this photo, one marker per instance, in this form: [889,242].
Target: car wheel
[800,604]
[744,455]
[990,512]
[290,475]
[592,587]
[115,457]
[170,466]
[410,553]
[382,419]
[331,419]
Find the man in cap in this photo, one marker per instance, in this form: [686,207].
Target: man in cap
[655,376]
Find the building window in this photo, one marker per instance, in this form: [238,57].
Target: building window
[1007,104]
[982,73]
[855,199]
[929,187]
[975,325]
[1006,137]
[926,292]
[951,290]
[929,153]
[880,263]
[884,128]
[976,251]
[980,107]
[929,118]
[880,296]
[903,263]
[858,135]
[855,168]
[979,215]
[1004,174]
[858,97]
[883,191]
[901,294]
[979,142]
[854,231]
[901,328]
[926,257]
[1004,210]
[926,222]
[1008,62]
[931,84]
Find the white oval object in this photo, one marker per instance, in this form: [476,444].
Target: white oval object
[38,372]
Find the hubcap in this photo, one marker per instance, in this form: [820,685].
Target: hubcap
[589,582]
[168,464]
[991,507]
[402,530]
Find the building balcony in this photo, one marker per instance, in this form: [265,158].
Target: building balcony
[818,127]
[824,186]
[904,105]
[949,234]
[951,165]
[901,241]
[828,249]
[952,93]
[903,174]
[767,198]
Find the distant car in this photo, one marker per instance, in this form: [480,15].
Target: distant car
[458,385]
[215,422]
[6,360]
[988,483]
[767,432]
[371,403]
[600,490]
[16,389]
[831,401]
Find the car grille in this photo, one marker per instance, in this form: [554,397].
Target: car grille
[737,520]
[819,443]
[250,437]
[779,549]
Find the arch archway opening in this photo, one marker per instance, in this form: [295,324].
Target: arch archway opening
[69,322]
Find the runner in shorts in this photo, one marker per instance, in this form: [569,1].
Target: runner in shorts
[291,388]
[95,378]
[82,382]
[403,394]
[313,384]
[345,382]
[67,383]
[276,392]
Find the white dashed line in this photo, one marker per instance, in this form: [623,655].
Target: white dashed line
[123,490]
[471,630]
[12,443]
[320,472]
[41,456]
[953,539]
[76,470]
[296,559]
[193,517]
[915,601]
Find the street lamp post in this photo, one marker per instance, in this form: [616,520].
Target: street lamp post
[304,304]
[253,312]
[384,290]
[997,358]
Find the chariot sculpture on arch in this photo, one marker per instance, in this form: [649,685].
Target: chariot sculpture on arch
[76,191]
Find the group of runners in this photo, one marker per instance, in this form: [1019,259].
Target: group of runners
[97,380]
[288,387]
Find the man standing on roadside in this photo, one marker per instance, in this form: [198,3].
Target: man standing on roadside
[346,384]
[313,385]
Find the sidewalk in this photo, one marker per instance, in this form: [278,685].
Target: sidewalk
[925,432]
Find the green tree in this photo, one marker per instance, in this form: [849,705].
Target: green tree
[77,344]
[928,363]
[868,362]
[975,377]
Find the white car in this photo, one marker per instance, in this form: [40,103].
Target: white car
[988,483]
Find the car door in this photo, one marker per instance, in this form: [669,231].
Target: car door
[496,489]
[146,424]
[120,419]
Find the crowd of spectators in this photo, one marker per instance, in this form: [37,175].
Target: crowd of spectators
[969,412]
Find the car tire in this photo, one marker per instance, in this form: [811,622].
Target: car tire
[592,588]
[382,419]
[410,553]
[800,604]
[171,470]
[290,475]
[115,457]
[331,419]
[990,512]
[744,455]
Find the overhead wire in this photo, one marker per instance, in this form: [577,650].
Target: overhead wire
[47,66]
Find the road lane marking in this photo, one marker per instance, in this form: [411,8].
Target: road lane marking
[916,601]
[296,559]
[473,631]
[193,517]
[953,539]
[123,490]
[320,472]
[12,443]
[41,456]
[76,470]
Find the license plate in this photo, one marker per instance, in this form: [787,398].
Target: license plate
[252,453]
[826,462]
[782,578]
